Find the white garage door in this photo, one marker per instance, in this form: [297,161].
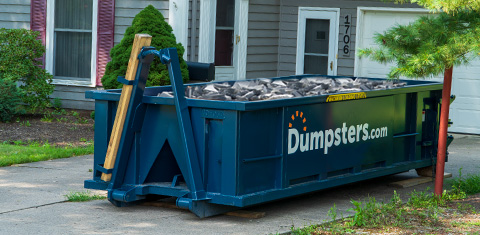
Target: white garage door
[465,111]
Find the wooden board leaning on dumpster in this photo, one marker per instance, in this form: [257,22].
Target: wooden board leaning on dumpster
[141,40]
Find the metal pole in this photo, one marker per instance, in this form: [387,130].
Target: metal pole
[442,134]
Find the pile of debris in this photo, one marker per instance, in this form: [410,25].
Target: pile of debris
[270,89]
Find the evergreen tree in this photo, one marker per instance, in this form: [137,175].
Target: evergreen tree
[427,47]
[448,6]
[149,21]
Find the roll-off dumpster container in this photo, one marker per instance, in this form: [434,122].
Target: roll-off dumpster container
[243,153]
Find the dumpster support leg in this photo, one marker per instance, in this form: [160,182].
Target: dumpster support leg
[193,177]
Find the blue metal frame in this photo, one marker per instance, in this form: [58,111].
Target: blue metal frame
[217,156]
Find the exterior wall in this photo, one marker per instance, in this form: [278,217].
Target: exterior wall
[263,38]
[125,11]
[289,23]
[73,97]
[15,14]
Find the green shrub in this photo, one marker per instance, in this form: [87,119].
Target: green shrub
[19,53]
[57,103]
[148,21]
[9,100]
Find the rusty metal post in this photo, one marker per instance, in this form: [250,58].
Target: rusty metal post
[442,133]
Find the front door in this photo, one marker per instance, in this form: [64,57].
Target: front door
[225,34]
[317,41]
[223,37]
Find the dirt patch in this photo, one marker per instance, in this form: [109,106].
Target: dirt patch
[60,127]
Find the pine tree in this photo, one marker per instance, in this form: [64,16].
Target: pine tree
[448,6]
[149,21]
[426,47]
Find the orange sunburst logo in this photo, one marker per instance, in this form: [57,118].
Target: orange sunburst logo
[298,115]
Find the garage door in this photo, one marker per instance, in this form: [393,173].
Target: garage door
[465,111]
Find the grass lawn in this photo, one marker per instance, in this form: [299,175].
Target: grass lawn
[17,154]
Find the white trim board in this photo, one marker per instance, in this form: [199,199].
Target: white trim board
[242,44]
[206,49]
[178,19]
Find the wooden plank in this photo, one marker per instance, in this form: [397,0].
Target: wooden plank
[170,205]
[416,181]
[239,213]
[425,171]
[246,214]
[140,41]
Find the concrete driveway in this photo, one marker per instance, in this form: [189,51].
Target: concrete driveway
[32,202]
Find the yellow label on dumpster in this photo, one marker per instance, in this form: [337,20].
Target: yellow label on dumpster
[350,96]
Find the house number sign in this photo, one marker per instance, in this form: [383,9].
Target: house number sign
[347,22]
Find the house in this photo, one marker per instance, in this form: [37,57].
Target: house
[245,39]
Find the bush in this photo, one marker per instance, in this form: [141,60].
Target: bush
[9,100]
[19,53]
[149,21]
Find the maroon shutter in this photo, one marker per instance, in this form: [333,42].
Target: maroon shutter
[105,29]
[38,20]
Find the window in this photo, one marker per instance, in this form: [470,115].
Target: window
[71,39]
[224,30]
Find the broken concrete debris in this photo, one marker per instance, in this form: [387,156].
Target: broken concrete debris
[269,89]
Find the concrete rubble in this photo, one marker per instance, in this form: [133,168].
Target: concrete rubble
[269,89]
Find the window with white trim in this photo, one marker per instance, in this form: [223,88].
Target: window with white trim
[71,39]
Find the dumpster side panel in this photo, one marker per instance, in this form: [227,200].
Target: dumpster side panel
[338,139]
[259,152]
[405,128]
[156,161]
[215,132]
[104,117]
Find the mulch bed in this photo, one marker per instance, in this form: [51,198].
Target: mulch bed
[70,127]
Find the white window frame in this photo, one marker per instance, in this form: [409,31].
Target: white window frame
[178,19]
[50,47]
[360,19]
[312,13]
[206,49]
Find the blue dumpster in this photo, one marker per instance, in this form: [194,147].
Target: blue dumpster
[225,155]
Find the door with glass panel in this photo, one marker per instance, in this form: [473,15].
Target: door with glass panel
[317,41]
[225,36]
[71,26]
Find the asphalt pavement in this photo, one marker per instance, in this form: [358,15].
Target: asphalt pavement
[32,201]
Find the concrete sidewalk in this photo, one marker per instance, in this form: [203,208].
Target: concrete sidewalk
[32,202]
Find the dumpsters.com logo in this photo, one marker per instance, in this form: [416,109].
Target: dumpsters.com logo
[326,139]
